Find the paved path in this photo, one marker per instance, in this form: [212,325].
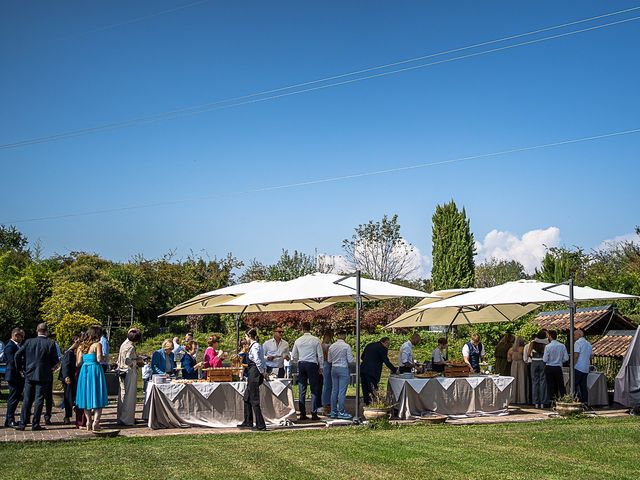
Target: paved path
[59,432]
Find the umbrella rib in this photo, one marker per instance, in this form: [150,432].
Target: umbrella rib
[497,310]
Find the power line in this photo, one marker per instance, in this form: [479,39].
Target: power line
[137,19]
[332,179]
[250,98]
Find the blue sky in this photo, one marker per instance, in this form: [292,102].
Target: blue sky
[75,65]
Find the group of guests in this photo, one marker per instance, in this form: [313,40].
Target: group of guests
[537,366]
[29,374]
[323,367]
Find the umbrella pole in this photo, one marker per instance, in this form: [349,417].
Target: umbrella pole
[238,317]
[572,309]
[356,417]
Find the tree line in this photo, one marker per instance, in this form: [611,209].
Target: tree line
[77,289]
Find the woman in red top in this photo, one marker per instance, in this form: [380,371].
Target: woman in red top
[212,358]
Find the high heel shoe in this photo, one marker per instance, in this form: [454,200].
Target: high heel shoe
[96,426]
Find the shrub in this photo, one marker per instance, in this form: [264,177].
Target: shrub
[70,325]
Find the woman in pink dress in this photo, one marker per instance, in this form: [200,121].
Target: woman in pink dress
[212,356]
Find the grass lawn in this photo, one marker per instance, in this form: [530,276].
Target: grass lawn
[585,449]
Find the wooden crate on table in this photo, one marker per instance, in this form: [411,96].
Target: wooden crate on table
[456,370]
[223,374]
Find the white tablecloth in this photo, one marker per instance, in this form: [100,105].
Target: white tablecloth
[596,386]
[482,395]
[215,404]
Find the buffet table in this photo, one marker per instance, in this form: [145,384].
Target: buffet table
[213,404]
[469,396]
[596,386]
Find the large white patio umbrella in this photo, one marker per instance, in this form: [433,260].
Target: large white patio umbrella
[501,303]
[320,288]
[510,301]
[412,317]
[198,304]
[213,302]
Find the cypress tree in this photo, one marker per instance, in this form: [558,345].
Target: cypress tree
[453,248]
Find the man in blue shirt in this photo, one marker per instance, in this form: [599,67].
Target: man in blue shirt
[105,352]
[582,353]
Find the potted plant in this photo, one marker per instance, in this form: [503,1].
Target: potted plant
[380,406]
[58,391]
[568,405]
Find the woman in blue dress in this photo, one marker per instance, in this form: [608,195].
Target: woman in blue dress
[189,361]
[91,393]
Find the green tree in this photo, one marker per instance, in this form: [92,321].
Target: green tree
[494,272]
[453,248]
[560,264]
[67,298]
[25,281]
[617,268]
[379,251]
[13,240]
[293,266]
[70,325]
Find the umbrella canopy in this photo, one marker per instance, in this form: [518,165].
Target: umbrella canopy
[322,289]
[212,302]
[196,304]
[411,316]
[319,288]
[501,303]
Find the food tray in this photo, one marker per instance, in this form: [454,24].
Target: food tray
[224,374]
[456,370]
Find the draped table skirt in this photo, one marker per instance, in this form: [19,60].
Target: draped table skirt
[596,387]
[215,404]
[470,396]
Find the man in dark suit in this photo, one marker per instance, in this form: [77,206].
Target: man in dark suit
[12,376]
[36,358]
[373,357]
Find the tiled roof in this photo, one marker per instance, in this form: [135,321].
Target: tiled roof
[560,320]
[612,346]
[585,319]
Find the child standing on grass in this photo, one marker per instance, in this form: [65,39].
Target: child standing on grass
[146,375]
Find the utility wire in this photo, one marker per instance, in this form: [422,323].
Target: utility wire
[249,99]
[137,19]
[330,179]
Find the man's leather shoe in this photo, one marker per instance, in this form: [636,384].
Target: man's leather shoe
[303,417]
[10,424]
[315,417]
[243,425]
[17,426]
[256,429]
[37,428]
[47,421]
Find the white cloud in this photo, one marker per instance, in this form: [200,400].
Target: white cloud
[421,264]
[529,249]
[612,242]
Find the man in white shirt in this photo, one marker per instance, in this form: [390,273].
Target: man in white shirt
[439,356]
[473,353]
[307,351]
[276,351]
[582,353]
[406,360]
[555,354]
